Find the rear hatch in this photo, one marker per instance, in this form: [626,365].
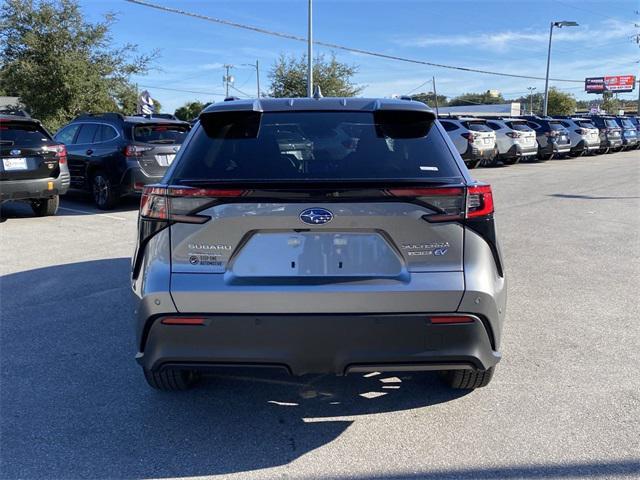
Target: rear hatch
[614,132]
[358,218]
[157,144]
[484,138]
[26,151]
[526,135]
[559,133]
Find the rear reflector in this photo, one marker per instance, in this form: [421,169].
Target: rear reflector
[182,321]
[451,319]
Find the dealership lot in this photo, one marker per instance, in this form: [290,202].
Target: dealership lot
[565,400]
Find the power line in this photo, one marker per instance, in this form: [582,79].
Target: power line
[181,90]
[297,38]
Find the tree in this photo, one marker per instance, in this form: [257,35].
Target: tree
[429,99]
[61,65]
[289,77]
[610,104]
[476,99]
[560,103]
[190,110]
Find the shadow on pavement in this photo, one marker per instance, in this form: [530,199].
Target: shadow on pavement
[75,405]
[589,197]
[525,472]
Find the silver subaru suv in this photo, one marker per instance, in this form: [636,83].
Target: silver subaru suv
[378,253]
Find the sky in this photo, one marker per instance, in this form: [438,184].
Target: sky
[497,35]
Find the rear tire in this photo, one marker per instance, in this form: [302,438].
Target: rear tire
[468,379]
[171,380]
[104,195]
[45,207]
[489,162]
[472,165]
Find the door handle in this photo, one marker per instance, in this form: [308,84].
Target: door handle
[89,152]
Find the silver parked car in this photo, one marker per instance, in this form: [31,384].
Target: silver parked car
[514,138]
[473,139]
[383,259]
[584,135]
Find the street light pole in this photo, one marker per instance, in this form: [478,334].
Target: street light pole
[531,89]
[564,23]
[310,51]
[435,95]
[258,78]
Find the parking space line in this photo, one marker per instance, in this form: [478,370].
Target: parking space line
[88,212]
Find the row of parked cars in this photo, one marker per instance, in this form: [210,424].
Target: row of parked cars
[111,155]
[489,140]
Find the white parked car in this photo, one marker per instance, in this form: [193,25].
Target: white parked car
[584,135]
[514,139]
[474,140]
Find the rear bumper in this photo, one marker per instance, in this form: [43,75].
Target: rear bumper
[34,188]
[134,179]
[612,143]
[517,151]
[334,343]
[475,153]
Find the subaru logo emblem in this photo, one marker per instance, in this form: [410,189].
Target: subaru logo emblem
[316,216]
[15,153]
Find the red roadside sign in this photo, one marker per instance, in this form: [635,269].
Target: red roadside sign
[620,83]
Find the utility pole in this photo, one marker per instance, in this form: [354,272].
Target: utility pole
[227,79]
[531,89]
[435,94]
[310,51]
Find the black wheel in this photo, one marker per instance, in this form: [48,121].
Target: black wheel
[171,380]
[544,158]
[511,161]
[468,379]
[45,207]
[489,162]
[472,165]
[104,195]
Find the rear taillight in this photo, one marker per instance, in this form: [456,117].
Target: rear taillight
[180,204]
[513,135]
[469,136]
[582,131]
[479,201]
[135,150]
[551,133]
[60,151]
[451,203]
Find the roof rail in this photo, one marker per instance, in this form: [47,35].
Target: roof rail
[106,115]
[15,112]
[165,116]
[231,99]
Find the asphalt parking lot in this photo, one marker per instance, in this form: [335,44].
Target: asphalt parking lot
[565,401]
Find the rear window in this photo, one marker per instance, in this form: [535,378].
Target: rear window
[519,126]
[626,123]
[160,134]
[585,124]
[556,126]
[315,146]
[477,126]
[610,122]
[23,135]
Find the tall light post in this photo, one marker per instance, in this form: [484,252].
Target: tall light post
[531,90]
[257,67]
[561,24]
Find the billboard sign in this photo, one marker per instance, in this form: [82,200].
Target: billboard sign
[594,85]
[615,83]
[620,83]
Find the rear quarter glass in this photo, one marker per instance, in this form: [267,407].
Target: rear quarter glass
[328,146]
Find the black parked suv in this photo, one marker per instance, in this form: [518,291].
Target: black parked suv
[112,155]
[33,167]
[610,132]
